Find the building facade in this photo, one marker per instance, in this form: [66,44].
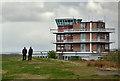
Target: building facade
[76,36]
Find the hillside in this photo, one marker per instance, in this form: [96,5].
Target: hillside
[40,68]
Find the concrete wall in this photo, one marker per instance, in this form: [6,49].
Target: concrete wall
[87,26]
[87,36]
[76,26]
[76,37]
[94,47]
[102,48]
[94,25]
[94,36]
[76,47]
[87,47]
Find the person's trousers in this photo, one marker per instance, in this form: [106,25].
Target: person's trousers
[29,57]
[24,57]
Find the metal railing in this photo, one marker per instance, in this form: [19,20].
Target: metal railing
[83,30]
[83,40]
[100,40]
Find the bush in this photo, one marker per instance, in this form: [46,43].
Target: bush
[76,58]
[84,60]
[102,64]
[52,54]
[80,58]
[92,60]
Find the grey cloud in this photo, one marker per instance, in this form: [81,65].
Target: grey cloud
[33,11]
[29,23]
[24,12]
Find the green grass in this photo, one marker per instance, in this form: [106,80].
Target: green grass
[40,68]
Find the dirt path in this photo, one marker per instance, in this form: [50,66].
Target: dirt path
[100,72]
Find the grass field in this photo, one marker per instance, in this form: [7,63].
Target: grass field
[41,68]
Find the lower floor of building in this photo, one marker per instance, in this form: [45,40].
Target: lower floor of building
[73,55]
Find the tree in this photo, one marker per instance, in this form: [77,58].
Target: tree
[52,54]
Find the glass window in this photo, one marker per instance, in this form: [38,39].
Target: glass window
[83,47]
[62,45]
[98,47]
[67,23]
[82,26]
[66,35]
[97,25]
[62,48]
[72,47]
[69,35]
[62,38]
[83,37]
[70,23]
[59,20]
[98,36]
[69,47]
[66,46]
[106,46]
[58,47]
[101,35]
[101,46]
[107,36]
[58,37]
[60,23]
[101,25]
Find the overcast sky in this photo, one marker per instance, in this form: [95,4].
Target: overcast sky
[28,23]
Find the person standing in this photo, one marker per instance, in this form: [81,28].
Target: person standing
[24,52]
[30,54]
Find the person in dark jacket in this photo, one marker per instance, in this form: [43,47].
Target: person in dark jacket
[30,54]
[24,52]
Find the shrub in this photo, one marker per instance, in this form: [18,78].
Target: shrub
[84,60]
[92,60]
[80,58]
[52,54]
[102,64]
[76,58]
[90,63]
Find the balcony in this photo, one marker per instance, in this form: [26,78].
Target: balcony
[109,30]
[76,41]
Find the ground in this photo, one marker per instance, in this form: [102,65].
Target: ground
[43,68]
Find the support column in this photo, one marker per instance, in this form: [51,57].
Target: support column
[64,57]
[90,37]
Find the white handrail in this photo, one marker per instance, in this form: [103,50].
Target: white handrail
[76,30]
[84,40]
